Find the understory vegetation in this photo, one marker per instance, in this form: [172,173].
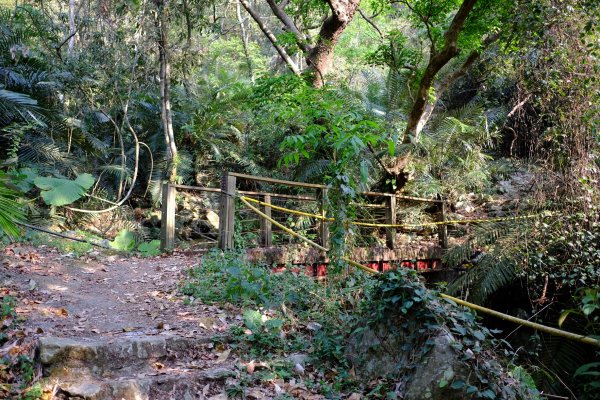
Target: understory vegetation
[290,313]
[491,106]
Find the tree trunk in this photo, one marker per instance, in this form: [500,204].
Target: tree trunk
[290,26]
[437,61]
[71,27]
[165,84]
[244,35]
[267,32]
[321,56]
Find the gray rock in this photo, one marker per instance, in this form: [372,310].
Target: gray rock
[298,358]
[424,384]
[55,350]
[218,373]
[84,390]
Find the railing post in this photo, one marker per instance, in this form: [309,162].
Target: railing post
[443,228]
[266,233]
[226,211]
[167,224]
[390,218]
[323,225]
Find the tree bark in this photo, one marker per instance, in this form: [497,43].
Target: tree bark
[437,61]
[165,87]
[244,35]
[443,85]
[72,29]
[321,56]
[290,26]
[267,32]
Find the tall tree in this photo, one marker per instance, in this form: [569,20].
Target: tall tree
[162,8]
[320,56]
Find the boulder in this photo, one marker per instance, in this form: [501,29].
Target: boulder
[432,349]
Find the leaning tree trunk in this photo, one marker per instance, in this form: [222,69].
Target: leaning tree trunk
[437,60]
[165,86]
[321,56]
[71,27]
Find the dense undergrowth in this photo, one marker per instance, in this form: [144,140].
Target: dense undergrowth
[18,370]
[289,313]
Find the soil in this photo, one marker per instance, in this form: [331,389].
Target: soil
[104,295]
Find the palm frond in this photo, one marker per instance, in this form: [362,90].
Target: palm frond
[10,211]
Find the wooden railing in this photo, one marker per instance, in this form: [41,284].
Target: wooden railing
[227,209]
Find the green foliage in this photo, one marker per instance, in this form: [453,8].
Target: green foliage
[452,156]
[124,241]
[149,249]
[403,306]
[496,267]
[10,210]
[588,376]
[7,309]
[262,334]
[64,246]
[229,278]
[60,191]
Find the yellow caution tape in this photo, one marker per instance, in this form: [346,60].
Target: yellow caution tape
[552,331]
[405,226]
[299,236]
[288,210]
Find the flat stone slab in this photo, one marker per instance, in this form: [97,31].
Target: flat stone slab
[171,384]
[96,357]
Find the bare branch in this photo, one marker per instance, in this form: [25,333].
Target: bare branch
[267,32]
[290,26]
[518,106]
[370,22]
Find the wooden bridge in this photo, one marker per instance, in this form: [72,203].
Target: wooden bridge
[377,256]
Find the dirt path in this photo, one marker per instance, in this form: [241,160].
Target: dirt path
[108,326]
[103,295]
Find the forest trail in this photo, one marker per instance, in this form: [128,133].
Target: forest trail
[109,326]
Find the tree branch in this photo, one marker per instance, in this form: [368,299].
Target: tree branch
[267,32]
[436,62]
[290,26]
[370,22]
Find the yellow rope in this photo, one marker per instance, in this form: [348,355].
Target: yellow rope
[524,322]
[506,317]
[451,222]
[274,207]
[295,234]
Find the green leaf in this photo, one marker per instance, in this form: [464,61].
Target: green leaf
[124,241]
[149,249]
[10,211]
[458,384]
[60,192]
[23,179]
[391,147]
[252,320]
[563,317]
[479,335]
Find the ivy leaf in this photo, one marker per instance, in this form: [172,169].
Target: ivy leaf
[253,320]
[458,384]
[479,335]
[488,394]
[124,241]
[60,192]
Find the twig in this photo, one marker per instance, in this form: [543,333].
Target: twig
[370,22]
[38,228]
